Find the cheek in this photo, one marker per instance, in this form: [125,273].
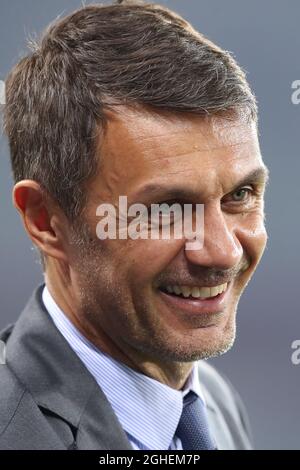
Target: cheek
[254,237]
[147,259]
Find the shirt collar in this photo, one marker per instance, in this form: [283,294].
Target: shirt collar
[148,410]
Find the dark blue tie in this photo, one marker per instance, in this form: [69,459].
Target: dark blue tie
[193,429]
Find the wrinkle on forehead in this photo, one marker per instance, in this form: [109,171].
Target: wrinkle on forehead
[138,146]
[177,133]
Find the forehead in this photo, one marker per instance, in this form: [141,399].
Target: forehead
[141,147]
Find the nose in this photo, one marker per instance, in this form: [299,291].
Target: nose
[221,247]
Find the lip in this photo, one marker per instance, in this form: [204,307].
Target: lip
[196,306]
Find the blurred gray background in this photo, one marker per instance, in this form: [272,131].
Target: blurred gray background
[264,37]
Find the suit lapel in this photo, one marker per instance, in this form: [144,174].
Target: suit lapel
[217,424]
[219,429]
[59,382]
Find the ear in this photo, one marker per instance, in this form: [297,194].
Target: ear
[43,220]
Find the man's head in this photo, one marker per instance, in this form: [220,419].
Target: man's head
[130,100]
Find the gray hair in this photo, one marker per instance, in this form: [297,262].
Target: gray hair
[99,56]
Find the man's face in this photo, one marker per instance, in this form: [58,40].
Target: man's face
[123,284]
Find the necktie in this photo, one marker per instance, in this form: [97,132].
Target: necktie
[193,429]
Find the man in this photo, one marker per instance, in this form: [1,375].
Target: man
[129,100]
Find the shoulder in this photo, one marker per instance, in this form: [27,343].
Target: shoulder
[22,424]
[13,396]
[221,395]
[12,392]
[217,384]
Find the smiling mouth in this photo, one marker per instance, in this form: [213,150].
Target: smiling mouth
[195,300]
[195,292]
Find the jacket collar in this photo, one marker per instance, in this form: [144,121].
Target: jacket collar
[58,381]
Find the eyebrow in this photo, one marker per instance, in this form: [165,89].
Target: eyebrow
[259,175]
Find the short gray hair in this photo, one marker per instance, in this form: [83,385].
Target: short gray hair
[129,53]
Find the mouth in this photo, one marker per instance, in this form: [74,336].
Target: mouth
[196,299]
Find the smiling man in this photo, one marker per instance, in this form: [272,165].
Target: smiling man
[129,100]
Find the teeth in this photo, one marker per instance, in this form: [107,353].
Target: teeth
[186,291]
[214,291]
[196,292]
[205,292]
[222,288]
[177,290]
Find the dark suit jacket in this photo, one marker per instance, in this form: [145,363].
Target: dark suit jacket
[49,400]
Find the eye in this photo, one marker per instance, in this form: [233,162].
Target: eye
[241,194]
[243,198]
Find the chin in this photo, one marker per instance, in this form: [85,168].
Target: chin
[209,342]
[212,348]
